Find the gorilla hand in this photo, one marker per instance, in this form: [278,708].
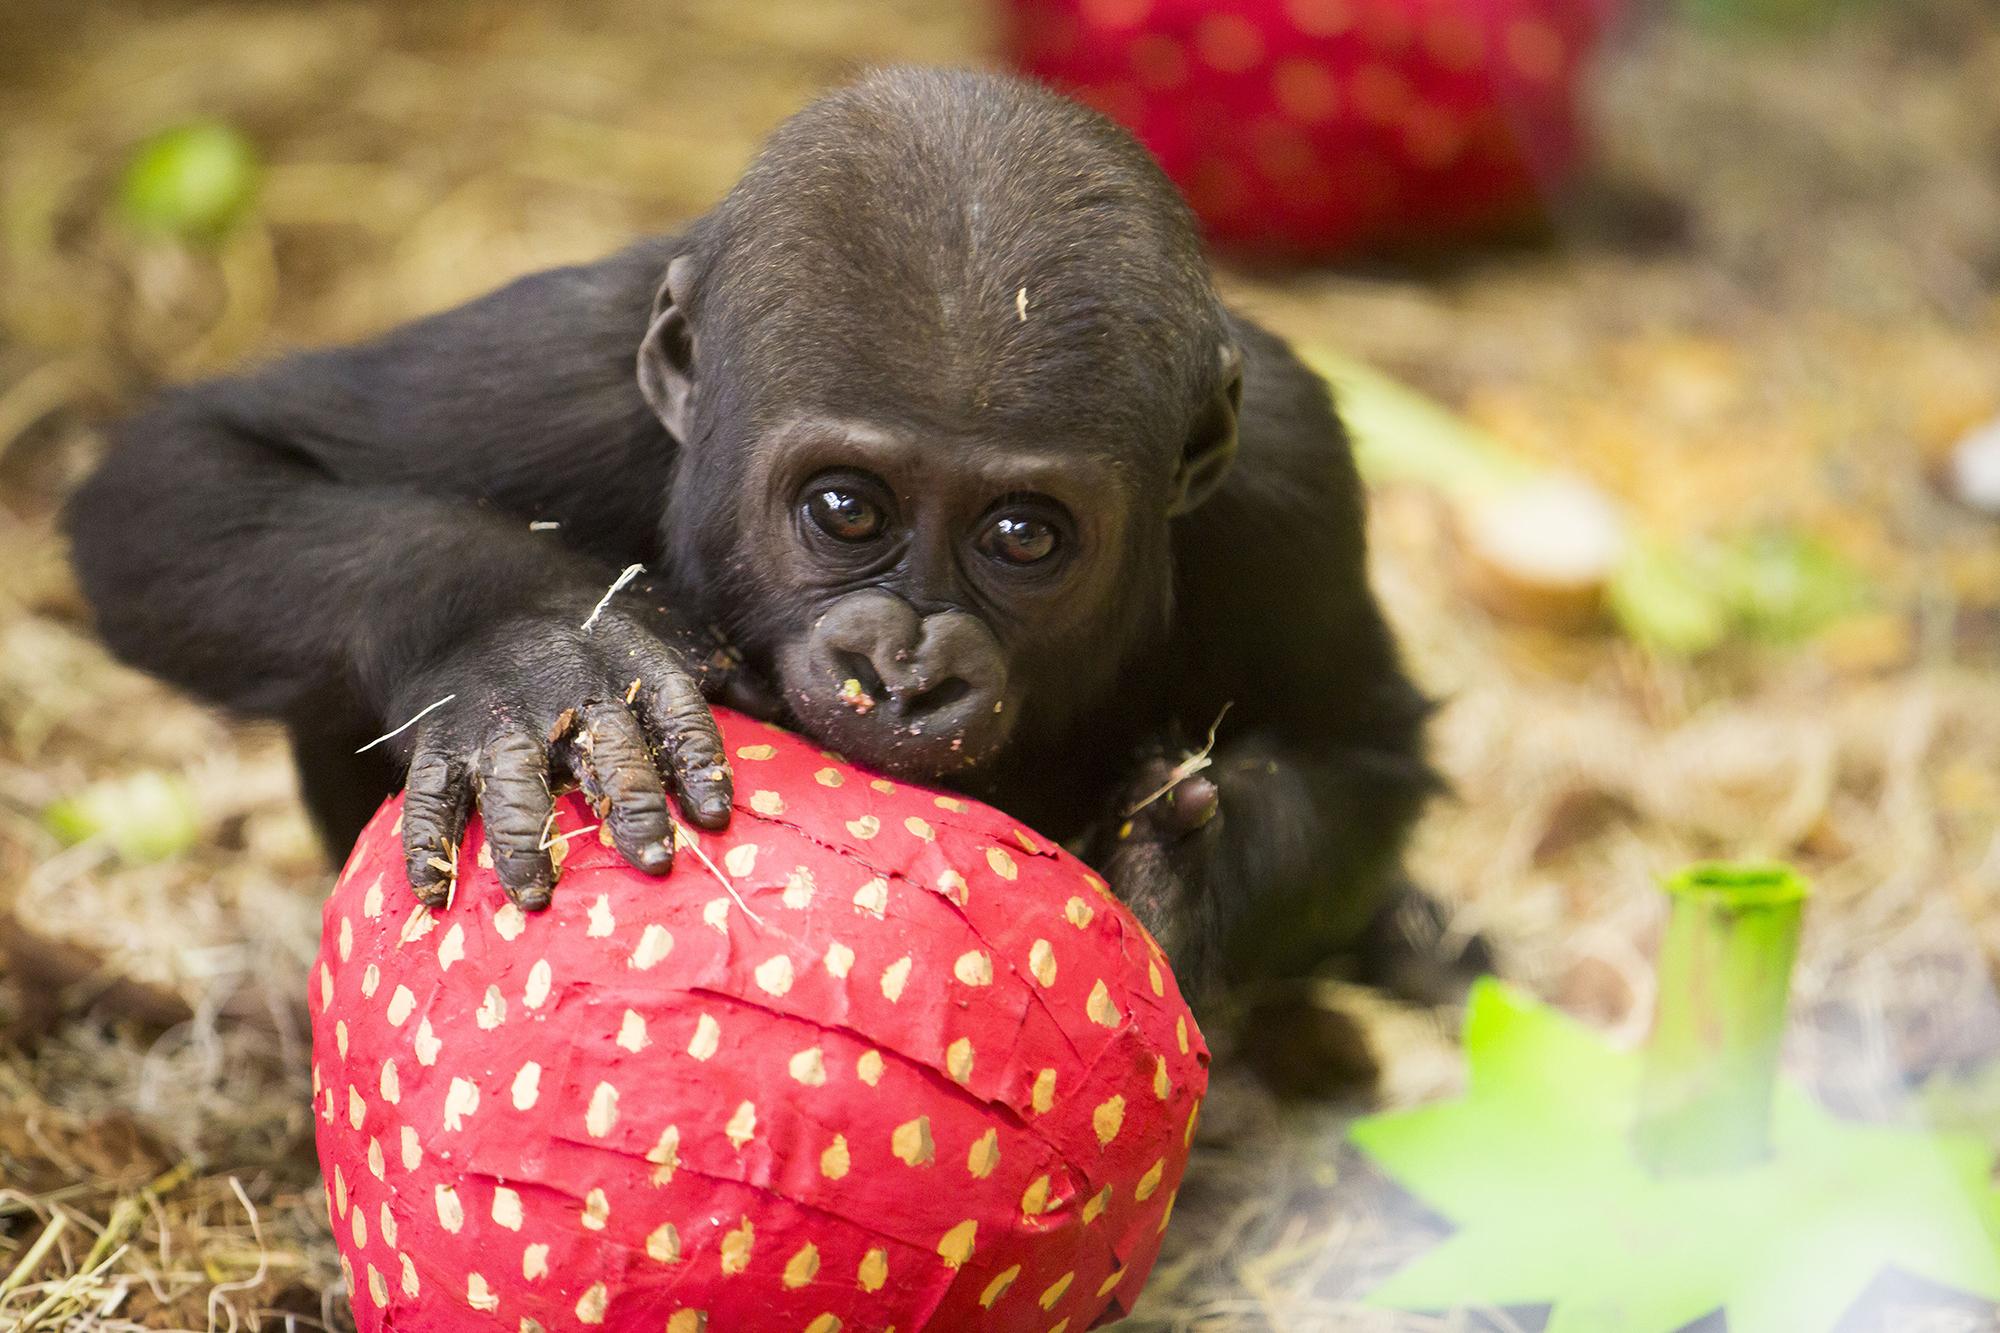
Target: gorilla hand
[541,702]
[1154,853]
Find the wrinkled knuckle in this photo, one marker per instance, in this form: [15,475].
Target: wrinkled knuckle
[423,825]
[675,684]
[422,804]
[602,716]
[624,763]
[515,820]
[673,698]
[623,759]
[613,730]
[510,751]
[516,859]
[630,758]
[690,721]
[696,754]
[641,797]
[633,829]
[428,771]
[698,759]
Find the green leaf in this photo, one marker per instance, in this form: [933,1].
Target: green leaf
[145,816]
[1679,598]
[1663,604]
[1533,1166]
[1786,587]
[1400,435]
[1778,586]
[190,182]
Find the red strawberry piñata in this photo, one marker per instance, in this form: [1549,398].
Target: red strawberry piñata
[889,1060]
[1309,128]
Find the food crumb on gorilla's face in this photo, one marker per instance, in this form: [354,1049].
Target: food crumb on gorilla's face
[855,697]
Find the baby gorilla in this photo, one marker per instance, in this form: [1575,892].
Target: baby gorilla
[932,440]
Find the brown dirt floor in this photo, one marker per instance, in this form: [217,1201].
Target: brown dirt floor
[1777,304]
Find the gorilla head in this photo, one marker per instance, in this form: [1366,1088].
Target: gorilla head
[942,369]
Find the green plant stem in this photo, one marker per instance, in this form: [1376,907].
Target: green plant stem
[1725,973]
[36,1253]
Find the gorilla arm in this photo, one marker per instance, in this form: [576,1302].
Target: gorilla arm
[341,540]
[1285,849]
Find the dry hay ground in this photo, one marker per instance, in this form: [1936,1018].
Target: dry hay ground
[1780,310]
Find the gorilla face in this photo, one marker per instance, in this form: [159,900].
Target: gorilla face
[930,589]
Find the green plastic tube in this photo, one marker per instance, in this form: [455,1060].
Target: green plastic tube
[1725,975]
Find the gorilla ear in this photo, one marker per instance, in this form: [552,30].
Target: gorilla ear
[1211,445]
[666,357]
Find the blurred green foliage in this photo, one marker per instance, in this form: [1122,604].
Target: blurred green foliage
[191,182]
[1777,587]
[143,816]
[1771,15]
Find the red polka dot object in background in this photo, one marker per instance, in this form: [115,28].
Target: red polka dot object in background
[1317,128]
[886,1059]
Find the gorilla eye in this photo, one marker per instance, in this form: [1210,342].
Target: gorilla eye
[844,515]
[1019,540]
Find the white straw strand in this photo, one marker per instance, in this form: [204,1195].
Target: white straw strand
[629,573]
[391,735]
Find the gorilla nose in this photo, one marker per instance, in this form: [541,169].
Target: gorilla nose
[940,671]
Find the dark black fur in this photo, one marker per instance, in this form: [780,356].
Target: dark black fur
[342,538]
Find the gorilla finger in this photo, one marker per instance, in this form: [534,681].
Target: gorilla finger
[1143,878]
[1193,802]
[515,802]
[616,766]
[435,803]
[680,717]
[1180,920]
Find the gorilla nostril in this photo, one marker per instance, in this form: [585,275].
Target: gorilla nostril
[936,699]
[857,667]
[905,695]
